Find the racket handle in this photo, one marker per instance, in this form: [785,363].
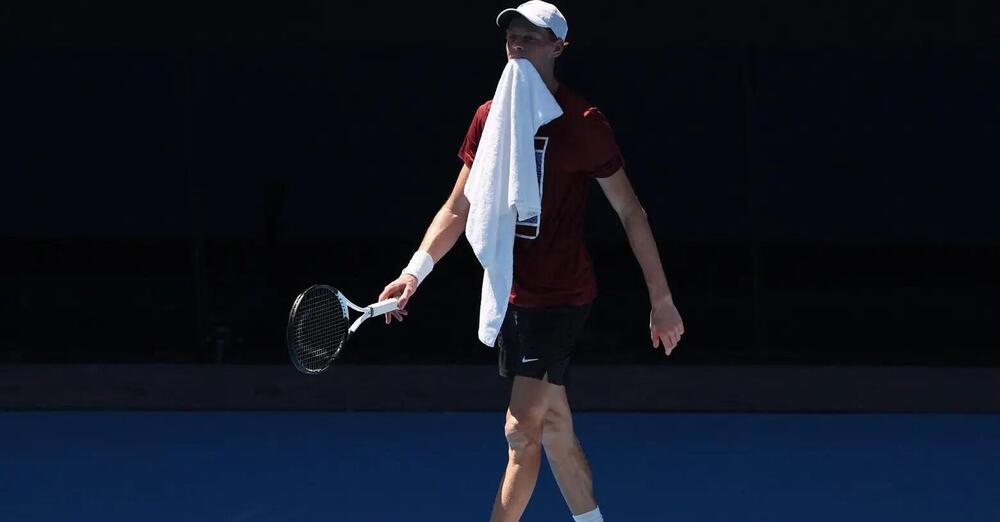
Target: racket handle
[384,307]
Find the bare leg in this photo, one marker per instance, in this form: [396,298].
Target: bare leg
[566,458]
[528,405]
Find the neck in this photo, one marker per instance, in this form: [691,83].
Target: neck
[550,81]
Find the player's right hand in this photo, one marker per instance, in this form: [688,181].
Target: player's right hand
[402,289]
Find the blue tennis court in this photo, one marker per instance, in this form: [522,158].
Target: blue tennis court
[372,466]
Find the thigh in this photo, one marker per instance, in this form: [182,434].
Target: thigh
[558,416]
[530,399]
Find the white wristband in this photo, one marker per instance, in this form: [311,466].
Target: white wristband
[420,265]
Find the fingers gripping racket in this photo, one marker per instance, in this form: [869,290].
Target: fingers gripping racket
[318,326]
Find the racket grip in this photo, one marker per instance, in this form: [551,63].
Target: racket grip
[384,307]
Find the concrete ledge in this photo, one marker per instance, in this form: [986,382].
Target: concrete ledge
[471,388]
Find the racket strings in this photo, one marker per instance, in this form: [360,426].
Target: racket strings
[320,328]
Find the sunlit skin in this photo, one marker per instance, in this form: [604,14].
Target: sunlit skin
[541,47]
[538,46]
[539,419]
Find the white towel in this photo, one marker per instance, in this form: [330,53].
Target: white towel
[503,183]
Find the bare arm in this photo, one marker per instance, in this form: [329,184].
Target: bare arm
[449,223]
[442,234]
[665,321]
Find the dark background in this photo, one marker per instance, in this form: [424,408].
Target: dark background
[822,179]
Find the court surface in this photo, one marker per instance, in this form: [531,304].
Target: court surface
[373,466]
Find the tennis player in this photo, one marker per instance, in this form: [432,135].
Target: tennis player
[554,282]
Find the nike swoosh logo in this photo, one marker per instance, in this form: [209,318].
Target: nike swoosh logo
[523,360]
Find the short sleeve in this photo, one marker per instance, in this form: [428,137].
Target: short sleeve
[603,154]
[467,152]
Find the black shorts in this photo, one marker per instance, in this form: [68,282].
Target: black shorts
[534,342]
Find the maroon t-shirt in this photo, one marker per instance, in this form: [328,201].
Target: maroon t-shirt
[551,264]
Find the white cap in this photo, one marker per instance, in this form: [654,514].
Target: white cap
[542,14]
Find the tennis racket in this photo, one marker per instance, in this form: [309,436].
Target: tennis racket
[318,326]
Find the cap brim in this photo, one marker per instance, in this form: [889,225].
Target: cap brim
[504,18]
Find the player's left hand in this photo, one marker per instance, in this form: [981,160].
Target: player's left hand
[665,325]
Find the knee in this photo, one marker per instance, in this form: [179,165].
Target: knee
[524,431]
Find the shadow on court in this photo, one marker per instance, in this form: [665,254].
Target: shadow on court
[169,466]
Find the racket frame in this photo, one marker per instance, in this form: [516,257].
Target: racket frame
[367,312]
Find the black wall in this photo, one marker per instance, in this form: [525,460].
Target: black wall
[821,180]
